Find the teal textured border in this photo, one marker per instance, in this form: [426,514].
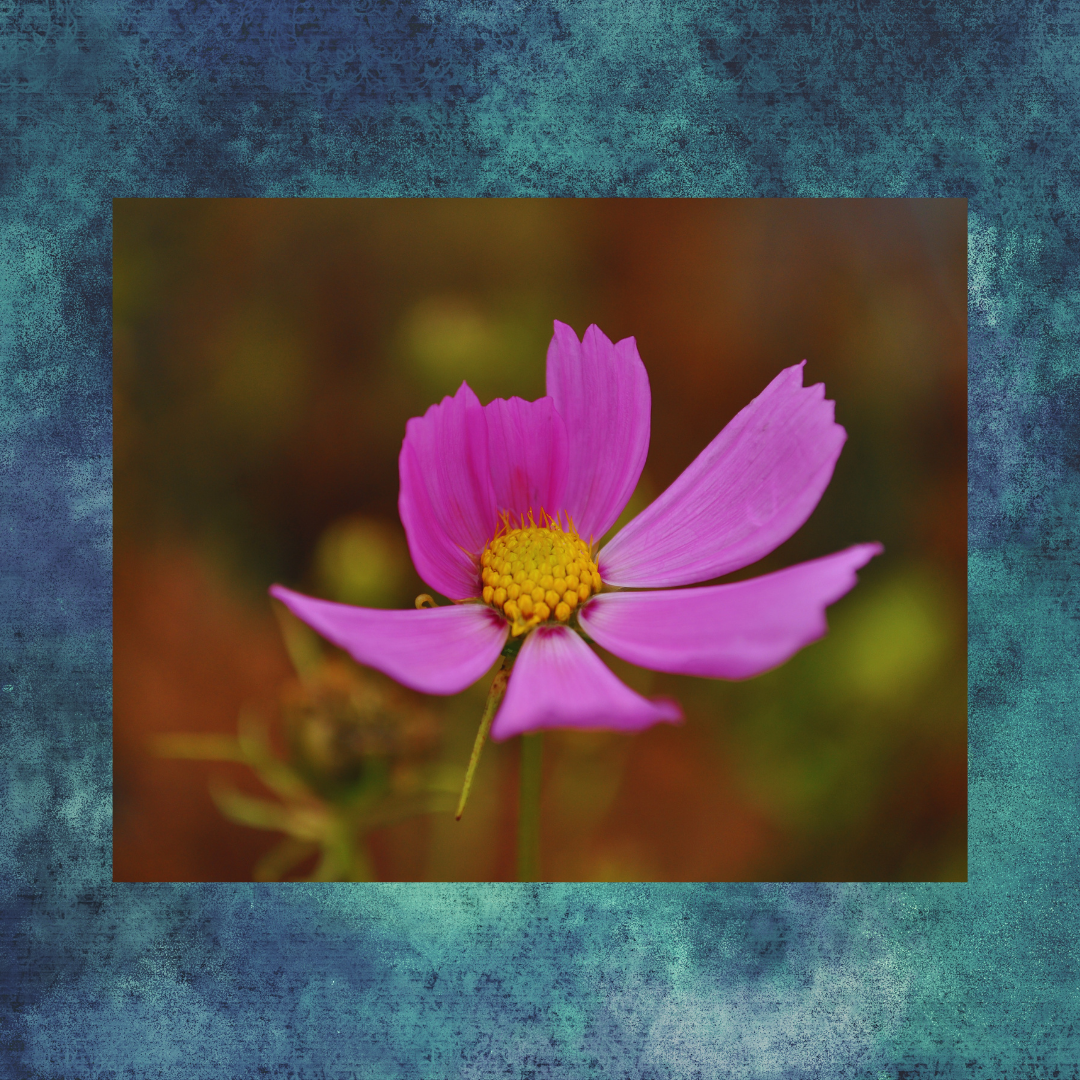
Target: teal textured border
[116,99]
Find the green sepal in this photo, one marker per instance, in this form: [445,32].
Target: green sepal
[512,647]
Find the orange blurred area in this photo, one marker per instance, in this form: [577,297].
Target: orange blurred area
[187,657]
[268,354]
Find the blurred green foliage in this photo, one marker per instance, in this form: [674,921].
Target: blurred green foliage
[357,757]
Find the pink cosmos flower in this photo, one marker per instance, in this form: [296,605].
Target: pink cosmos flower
[496,499]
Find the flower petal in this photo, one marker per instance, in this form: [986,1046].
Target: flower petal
[602,393]
[447,503]
[435,650]
[528,452]
[725,631]
[559,682]
[750,489]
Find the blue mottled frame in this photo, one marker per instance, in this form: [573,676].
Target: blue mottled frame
[204,97]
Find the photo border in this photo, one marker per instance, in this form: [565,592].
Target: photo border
[757,980]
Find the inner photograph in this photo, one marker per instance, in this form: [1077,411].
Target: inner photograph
[540,540]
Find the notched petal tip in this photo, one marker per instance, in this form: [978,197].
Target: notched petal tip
[730,631]
[749,490]
[602,392]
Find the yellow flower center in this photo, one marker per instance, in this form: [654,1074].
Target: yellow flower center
[537,573]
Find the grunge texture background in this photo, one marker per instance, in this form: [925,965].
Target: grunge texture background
[108,99]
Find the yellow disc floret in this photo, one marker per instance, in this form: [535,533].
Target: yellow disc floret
[537,573]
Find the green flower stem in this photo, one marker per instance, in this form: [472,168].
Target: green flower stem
[495,696]
[532,753]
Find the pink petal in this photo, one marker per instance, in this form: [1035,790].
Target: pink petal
[602,393]
[559,682]
[725,631]
[528,452]
[435,650]
[447,502]
[750,489]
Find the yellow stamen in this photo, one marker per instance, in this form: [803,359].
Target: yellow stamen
[536,572]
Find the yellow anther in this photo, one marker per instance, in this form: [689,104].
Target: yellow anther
[533,572]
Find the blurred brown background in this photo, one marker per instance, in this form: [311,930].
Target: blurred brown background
[267,357]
